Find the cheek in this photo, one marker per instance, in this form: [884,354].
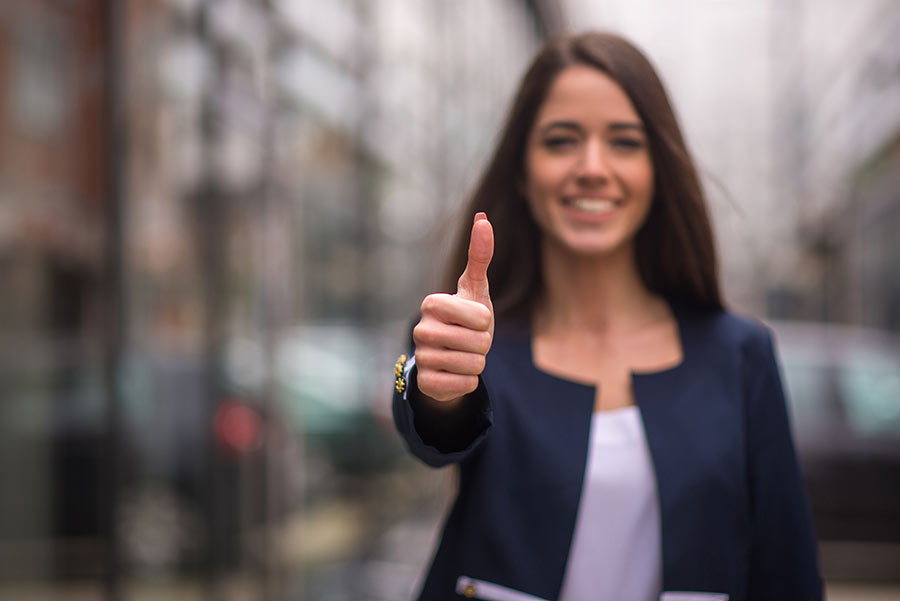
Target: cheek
[645,190]
[640,178]
[536,206]
[536,189]
[643,165]
[545,177]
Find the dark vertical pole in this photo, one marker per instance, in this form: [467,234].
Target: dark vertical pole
[114,283]
[266,319]
[210,220]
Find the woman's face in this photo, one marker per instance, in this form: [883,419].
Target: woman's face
[589,174]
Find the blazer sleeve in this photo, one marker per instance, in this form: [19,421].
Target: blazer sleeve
[783,554]
[439,436]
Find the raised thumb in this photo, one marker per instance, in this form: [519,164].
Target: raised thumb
[473,283]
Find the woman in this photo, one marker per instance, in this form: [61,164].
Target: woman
[627,436]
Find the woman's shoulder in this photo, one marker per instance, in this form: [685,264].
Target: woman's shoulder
[722,326]
[512,333]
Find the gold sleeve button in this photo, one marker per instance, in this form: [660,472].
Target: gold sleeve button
[399,380]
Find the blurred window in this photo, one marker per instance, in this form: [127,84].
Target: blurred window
[806,381]
[40,90]
[870,387]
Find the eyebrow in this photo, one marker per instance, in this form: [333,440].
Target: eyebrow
[619,125]
[614,126]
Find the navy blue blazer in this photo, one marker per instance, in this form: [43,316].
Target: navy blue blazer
[733,509]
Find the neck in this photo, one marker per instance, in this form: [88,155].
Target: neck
[594,294]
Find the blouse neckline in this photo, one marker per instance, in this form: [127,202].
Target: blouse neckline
[683,338]
[624,412]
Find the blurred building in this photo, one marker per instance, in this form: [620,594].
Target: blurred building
[53,165]
[199,201]
[399,102]
[837,104]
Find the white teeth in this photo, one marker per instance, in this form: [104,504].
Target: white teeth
[593,205]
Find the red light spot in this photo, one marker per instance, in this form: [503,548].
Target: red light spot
[237,426]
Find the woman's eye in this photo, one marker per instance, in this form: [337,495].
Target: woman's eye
[559,142]
[628,143]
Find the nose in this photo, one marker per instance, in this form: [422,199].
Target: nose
[593,165]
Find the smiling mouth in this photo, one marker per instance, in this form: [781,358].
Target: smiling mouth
[594,206]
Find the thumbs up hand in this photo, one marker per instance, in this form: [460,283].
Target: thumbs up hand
[455,332]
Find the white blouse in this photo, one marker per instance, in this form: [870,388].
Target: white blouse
[616,552]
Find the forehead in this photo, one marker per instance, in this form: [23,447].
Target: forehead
[586,95]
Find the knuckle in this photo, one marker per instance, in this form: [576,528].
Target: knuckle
[484,317]
[419,333]
[431,303]
[424,334]
[424,359]
[483,342]
[426,381]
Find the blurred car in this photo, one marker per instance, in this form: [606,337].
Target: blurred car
[843,386]
[329,380]
[55,432]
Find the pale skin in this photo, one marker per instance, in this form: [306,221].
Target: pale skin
[589,185]
[455,332]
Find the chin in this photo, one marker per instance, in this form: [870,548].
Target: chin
[594,248]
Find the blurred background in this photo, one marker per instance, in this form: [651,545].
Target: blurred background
[218,217]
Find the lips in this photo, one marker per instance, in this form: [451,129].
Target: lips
[592,206]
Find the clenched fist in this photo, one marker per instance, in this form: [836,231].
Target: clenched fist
[456,330]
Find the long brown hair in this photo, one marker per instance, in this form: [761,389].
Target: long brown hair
[676,255]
